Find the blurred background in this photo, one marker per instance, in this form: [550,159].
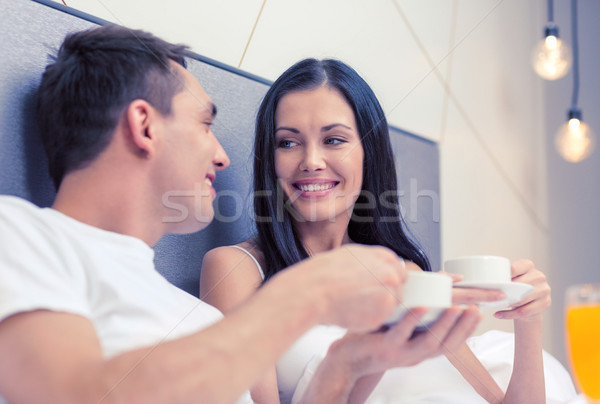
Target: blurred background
[457,72]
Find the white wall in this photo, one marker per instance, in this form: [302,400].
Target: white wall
[456,72]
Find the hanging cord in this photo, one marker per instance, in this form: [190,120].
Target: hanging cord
[550,10]
[252,33]
[575,54]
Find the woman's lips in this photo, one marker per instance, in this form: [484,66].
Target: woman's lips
[315,188]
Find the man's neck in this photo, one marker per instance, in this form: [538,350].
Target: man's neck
[109,205]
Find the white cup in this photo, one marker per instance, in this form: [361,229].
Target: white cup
[484,269]
[424,289]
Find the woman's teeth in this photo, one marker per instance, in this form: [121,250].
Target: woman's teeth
[315,187]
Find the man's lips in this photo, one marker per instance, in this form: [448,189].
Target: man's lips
[210,178]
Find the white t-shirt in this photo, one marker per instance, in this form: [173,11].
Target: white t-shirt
[51,261]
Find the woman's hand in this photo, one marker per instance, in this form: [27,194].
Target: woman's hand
[472,295]
[531,307]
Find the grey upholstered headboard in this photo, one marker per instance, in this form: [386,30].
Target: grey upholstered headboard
[33,30]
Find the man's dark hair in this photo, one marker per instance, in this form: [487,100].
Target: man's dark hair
[95,76]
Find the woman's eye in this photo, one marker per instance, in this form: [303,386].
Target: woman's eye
[334,141]
[286,144]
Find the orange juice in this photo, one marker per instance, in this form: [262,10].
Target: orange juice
[583,344]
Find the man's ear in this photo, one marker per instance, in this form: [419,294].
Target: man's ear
[139,122]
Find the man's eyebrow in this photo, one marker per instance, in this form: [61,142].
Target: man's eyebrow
[334,125]
[293,130]
[208,108]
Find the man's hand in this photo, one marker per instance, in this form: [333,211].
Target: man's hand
[400,346]
[357,287]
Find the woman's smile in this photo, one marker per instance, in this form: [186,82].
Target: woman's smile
[315,188]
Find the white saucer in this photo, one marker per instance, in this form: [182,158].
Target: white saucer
[433,313]
[515,291]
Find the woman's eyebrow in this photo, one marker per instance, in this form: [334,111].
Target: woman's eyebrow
[323,129]
[334,125]
[293,130]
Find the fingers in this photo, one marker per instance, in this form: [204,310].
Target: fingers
[402,346]
[473,295]
[531,277]
[381,260]
[521,267]
[455,277]
[447,333]
[404,329]
[526,309]
[411,266]
[463,329]
[386,348]
[534,304]
[524,271]
[455,320]
[362,285]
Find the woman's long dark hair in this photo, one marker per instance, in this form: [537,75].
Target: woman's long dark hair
[374,221]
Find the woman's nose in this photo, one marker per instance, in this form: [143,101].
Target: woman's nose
[312,159]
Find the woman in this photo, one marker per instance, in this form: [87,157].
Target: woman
[323,160]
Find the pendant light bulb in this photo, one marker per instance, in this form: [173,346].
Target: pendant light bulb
[551,58]
[575,140]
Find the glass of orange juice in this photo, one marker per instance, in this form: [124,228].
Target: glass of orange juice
[583,337]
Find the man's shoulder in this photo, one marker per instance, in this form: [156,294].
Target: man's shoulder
[21,221]
[14,209]
[16,203]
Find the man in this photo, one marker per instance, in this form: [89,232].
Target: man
[84,316]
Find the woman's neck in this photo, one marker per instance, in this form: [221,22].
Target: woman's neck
[322,236]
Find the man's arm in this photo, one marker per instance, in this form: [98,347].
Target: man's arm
[56,357]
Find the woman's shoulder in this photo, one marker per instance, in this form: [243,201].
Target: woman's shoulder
[232,254]
[228,276]
[251,247]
